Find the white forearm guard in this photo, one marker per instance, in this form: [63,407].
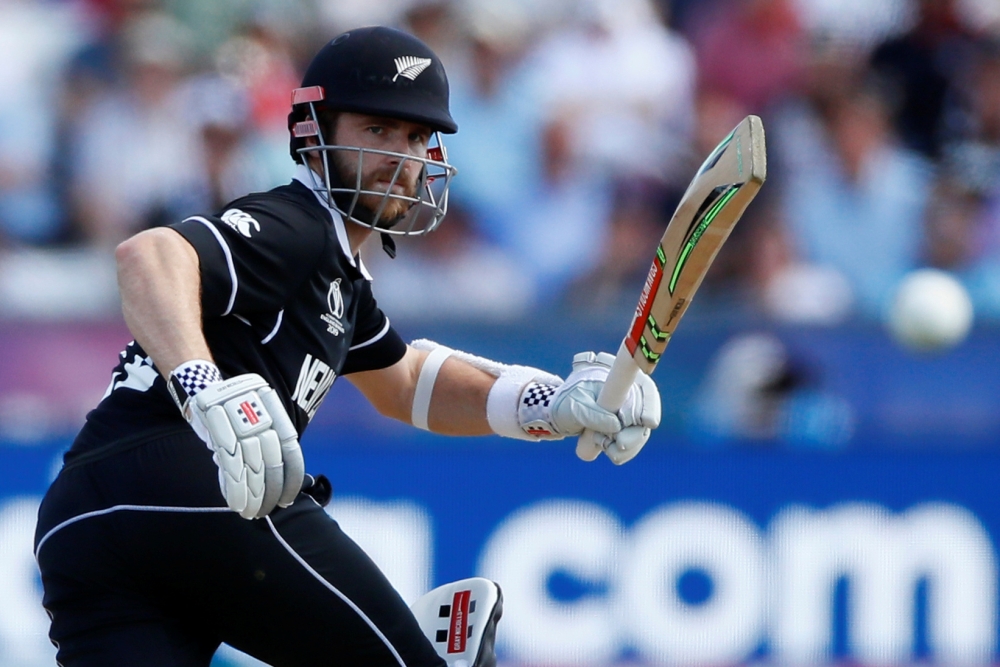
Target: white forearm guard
[503,399]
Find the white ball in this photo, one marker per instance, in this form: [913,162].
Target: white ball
[931,311]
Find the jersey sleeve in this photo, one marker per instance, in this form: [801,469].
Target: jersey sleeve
[375,344]
[254,255]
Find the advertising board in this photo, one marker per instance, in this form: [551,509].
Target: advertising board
[681,557]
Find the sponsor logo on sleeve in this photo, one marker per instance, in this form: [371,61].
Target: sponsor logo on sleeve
[240,221]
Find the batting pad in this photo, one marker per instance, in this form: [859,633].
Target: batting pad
[460,619]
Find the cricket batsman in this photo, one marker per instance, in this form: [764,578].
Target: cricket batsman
[183,516]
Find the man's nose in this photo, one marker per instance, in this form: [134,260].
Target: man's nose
[398,144]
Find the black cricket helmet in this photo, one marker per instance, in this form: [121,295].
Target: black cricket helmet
[384,72]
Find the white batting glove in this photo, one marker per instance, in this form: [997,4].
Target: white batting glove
[552,411]
[640,415]
[254,443]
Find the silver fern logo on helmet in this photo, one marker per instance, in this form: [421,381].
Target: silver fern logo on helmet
[411,67]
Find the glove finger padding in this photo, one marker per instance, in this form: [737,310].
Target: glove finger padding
[576,409]
[234,491]
[640,414]
[573,406]
[223,438]
[255,444]
[627,443]
[643,403]
[229,457]
[253,463]
[293,468]
[273,477]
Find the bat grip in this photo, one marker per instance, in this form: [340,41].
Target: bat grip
[612,396]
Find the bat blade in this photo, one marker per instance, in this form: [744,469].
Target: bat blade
[709,210]
[713,203]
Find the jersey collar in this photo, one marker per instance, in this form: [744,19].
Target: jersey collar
[311,180]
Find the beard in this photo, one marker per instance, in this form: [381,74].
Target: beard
[346,165]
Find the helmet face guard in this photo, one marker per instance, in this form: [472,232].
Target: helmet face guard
[387,73]
[424,208]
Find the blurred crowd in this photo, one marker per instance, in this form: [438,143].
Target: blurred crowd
[581,123]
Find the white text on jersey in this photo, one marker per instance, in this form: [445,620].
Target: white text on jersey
[315,380]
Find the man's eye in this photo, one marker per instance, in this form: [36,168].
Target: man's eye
[375,129]
[420,138]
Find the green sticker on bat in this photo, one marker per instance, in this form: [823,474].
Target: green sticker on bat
[648,353]
[655,330]
[713,211]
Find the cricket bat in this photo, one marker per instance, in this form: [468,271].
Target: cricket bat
[711,206]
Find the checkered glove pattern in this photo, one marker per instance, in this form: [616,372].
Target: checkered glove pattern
[550,412]
[534,409]
[253,441]
[190,378]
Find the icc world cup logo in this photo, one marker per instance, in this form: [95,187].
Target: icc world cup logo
[335,303]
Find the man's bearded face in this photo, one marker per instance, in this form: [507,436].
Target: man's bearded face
[377,173]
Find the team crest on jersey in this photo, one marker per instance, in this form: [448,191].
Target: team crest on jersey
[335,302]
[240,221]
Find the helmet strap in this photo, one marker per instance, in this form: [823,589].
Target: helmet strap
[388,245]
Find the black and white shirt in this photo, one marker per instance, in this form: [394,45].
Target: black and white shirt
[282,296]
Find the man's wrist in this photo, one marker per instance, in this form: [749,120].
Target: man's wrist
[507,411]
[534,410]
[188,379]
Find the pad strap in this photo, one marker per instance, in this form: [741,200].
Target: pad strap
[425,386]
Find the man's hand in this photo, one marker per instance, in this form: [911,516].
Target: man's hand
[555,411]
[640,414]
[574,403]
[254,443]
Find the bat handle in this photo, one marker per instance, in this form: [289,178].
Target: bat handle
[612,396]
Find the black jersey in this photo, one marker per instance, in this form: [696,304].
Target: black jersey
[282,296]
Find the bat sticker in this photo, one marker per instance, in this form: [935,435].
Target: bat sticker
[655,330]
[646,352]
[699,229]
